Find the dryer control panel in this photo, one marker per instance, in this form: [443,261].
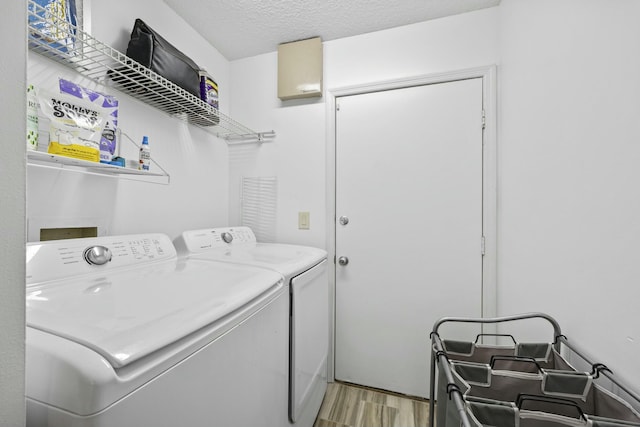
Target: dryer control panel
[72,257]
[195,241]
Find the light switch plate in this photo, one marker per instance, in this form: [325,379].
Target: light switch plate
[303,220]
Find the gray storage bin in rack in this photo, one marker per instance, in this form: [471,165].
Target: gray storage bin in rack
[505,414]
[491,413]
[453,403]
[446,414]
[516,357]
[543,353]
[575,387]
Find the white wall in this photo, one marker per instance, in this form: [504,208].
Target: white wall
[567,151]
[569,154]
[196,160]
[298,154]
[12,212]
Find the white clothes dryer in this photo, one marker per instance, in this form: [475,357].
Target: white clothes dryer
[122,332]
[305,271]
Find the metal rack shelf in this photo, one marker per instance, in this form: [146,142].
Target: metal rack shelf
[46,160]
[105,65]
[53,161]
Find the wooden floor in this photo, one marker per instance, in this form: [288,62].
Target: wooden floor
[346,405]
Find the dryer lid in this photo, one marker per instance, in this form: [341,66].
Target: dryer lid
[129,314]
[290,260]
[240,246]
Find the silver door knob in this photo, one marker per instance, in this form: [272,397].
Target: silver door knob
[343,260]
[97,255]
[344,220]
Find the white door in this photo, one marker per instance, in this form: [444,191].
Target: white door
[409,183]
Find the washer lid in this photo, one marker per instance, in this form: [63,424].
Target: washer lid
[129,314]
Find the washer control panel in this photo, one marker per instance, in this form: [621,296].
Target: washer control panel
[68,258]
[194,241]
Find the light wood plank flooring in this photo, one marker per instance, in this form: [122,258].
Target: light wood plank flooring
[347,405]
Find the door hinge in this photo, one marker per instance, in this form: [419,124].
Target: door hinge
[337,106]
[482,245]
[484,119]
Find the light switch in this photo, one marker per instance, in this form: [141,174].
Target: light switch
[303,221]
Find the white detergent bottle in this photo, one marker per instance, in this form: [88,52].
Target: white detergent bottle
[145,155]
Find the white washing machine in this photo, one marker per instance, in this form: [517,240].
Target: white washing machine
[305,271]
[121,332]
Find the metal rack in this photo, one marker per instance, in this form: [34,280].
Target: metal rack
[105,65]
[158,175]
[448,389]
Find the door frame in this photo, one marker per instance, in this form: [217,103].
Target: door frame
[489,180]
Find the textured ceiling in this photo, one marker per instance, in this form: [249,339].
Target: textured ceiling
[243,28]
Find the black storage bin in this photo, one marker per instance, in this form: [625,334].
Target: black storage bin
[151,50]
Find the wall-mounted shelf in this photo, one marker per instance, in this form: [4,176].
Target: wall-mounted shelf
[157,174]
[105,65]
[53,161]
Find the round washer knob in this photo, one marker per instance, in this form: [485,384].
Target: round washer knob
[227,237]
[97,255]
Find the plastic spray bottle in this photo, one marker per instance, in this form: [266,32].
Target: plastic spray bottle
[145,155]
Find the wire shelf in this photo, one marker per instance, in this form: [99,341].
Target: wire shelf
[62,42]
[43,159]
